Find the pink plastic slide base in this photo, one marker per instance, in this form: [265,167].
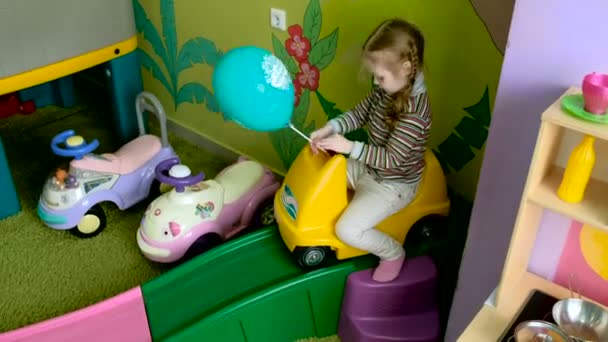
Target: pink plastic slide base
[120,318]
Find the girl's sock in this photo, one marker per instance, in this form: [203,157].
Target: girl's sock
[388,270]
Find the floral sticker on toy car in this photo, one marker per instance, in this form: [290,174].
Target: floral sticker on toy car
[204,210]
[289,202]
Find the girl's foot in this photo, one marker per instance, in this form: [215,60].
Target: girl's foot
[388,270]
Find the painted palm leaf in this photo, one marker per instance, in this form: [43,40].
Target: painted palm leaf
[145,27]
[196,93]
[197,50]
[456,150]
[148,63]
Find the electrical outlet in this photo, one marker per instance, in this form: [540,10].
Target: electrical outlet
[278,19]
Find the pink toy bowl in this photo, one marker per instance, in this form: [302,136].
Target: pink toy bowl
[595,93]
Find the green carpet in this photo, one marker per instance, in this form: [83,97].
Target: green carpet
[45,272]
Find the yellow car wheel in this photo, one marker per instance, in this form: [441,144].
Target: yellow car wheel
[91,224]
[311,257]
[427,230]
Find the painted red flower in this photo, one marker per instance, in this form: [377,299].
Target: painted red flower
[297,45]
[308,77]
[298,89]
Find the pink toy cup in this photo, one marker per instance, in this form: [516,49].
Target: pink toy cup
[595,93]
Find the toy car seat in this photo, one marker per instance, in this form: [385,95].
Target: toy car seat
[127,159]
[239,178]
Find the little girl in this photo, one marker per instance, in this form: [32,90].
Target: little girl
[386,172]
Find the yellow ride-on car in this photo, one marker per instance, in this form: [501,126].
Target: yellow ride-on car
[314,194]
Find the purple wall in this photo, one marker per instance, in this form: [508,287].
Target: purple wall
[551,46]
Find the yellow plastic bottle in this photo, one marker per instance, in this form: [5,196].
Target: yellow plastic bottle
[578,171]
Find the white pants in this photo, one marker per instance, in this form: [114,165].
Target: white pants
[373,201]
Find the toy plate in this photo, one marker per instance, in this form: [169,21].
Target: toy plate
[575,105]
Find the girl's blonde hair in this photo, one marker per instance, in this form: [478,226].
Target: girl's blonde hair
[402,42]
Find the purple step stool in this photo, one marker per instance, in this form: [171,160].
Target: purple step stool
[404,309]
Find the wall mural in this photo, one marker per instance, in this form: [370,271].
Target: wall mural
[470,134]
[196,50]
[306,54]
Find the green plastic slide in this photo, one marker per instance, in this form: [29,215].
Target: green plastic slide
[249,289]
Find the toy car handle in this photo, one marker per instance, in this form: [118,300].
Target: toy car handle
[77,152]
[179,183]
[148,102]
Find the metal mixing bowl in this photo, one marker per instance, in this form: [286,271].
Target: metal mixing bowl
[581,319]
[539,331]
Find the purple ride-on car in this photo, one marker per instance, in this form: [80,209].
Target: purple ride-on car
[71,198]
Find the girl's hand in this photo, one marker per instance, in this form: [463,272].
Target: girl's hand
[336,143]
[319,135]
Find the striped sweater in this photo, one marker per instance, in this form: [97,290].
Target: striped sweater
[396,155]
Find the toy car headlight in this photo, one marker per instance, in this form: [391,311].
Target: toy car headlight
[59,197]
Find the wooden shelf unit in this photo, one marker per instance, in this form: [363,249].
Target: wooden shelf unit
[592,210]
[540,193]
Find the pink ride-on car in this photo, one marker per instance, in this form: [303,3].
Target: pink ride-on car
[197,215]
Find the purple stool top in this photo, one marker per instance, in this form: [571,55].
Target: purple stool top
[404,309]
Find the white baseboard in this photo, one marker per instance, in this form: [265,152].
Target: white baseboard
[198,140]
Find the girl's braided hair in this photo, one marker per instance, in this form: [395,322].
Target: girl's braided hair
[403,42]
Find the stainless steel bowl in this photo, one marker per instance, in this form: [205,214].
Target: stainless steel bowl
[581,319]
[539,331]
